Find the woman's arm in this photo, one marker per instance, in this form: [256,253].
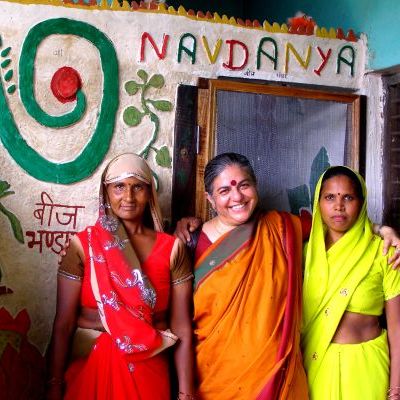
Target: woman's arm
[392,309]
[181,326]
[390,238]
[185,226]
[68,295]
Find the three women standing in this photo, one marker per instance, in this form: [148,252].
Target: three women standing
[247,297]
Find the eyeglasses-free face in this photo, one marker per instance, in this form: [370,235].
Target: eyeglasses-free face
[234,195]
[339,205]
[128,198]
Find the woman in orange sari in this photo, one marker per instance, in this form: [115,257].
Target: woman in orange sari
[124,288]
[247,293]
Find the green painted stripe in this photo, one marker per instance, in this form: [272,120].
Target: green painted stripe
[95,150]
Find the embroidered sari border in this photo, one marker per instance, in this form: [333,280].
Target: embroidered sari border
[222,251]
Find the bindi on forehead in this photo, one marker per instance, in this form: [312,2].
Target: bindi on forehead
[233,182]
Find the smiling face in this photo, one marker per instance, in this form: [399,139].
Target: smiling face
[128,198]
[234,196]
[339,205]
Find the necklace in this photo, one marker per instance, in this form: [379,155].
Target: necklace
[220,227]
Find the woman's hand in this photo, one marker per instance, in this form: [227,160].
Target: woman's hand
[390,239]
[168,340]
[186,225]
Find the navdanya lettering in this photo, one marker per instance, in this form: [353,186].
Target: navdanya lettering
[233,54]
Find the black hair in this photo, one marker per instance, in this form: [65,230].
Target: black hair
[215,166]
[339,171]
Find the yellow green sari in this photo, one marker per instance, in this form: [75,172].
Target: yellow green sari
[336,371]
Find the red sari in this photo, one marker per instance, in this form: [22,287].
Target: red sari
[121,365]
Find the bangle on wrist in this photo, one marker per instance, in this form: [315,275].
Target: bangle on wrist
[393,393]
[186,396]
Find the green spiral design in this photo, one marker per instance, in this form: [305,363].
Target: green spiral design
[94,151]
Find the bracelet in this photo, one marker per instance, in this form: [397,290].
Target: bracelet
[393,393]
[55,381]
[182,396]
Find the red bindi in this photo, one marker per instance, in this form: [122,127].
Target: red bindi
[233,182]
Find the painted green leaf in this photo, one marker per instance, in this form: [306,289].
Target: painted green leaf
[298,197]
[11,89]
[15,224]
[4,186]
[6,193]
[163,158]
[143,75]
[132,116]
[162,105]
[131,87]
[6,63]
[318,166]
[8,76]
[6,52]
[156,81]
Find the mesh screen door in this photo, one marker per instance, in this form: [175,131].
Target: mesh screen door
[290,136]
[392,157]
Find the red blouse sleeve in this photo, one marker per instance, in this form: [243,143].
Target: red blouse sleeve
[306,220]
[202,245]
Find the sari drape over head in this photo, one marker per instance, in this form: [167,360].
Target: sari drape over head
[247,312]
[125,299]
[330,279]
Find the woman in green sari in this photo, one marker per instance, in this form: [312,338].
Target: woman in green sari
[348,285]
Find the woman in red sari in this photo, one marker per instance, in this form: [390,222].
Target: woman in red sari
[124,293]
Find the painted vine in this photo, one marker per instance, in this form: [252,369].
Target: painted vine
[132,116]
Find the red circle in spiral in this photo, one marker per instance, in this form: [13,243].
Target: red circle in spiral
[65,84]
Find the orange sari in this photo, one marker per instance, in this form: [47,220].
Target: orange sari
[247,313]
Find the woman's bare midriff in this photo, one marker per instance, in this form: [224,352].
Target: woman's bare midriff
[89,318]
[356,328]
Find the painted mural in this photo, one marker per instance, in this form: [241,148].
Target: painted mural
[83,81]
